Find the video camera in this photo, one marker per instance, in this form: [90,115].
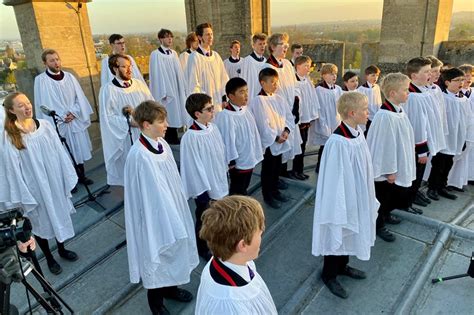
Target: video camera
[13,227]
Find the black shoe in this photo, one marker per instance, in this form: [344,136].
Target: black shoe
[282,185]
[300,176]
[180,295]
[433,194]
[385,234]
[336,288]
[452,188]
[413,210]
[419,201]
[470,182]
[353,273]
[392,219]
[273,203]
[423,197]
[281,197]
[305,176]
[444,193]
[74,190]
[86,181]
[160,310]
[68,255]
[54,267]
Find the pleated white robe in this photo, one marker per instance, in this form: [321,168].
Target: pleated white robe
[113,125]
[161,245]
[346,208]
[309,103]
[234,69]
[249,72]
[183,59]
[374,96]
[217,299]
[241,138]
[392,145]
[167,85]
[66,96]
[206,75]
[40,179]
[202,163]
[107,76]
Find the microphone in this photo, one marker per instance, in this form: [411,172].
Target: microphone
[126,111]
[47,111]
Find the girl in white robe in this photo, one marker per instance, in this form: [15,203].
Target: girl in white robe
[39,177]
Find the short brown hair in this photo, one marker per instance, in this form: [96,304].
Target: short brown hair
[113,61]
[435,62]
[295,46]
[230,220]
[114,37]
[275,38]
[196,103]
[466,68]
[149,111]
[329,68]
[200,28]
[192,37]
[164,33]
[47,52]
[350,101]
[234,42]
[302,59]
[414,65]
[266,73]
[372,69]
[259,36]
[392,82]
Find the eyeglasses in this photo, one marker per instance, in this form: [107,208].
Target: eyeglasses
[284,45]
[209,109]
[459,80]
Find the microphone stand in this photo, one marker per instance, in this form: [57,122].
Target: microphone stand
[469,273]
[90,196]
[129,128]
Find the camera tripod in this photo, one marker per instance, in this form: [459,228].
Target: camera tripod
[469,273]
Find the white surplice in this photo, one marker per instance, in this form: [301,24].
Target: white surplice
[234,69]
[249,72]
[374,96]
[309,103]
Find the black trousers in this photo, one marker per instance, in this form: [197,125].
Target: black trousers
[367,126]
[320,154]
[298,161]
[44,245]
[416,184]
[202,203]
[270,174]
[334,265]
[390,196]
[155,297]
[441,164]
[239,181]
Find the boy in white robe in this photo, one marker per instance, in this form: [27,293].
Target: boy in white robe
[60,91]
[351,81]
[278,46]
[117,43]
[372,90]
[160,239]
[458,115]
[205,71]
[344,223]
[308,111]
[253,63]
[38,177]
[192,43]
[275,124]
[243,148]
[328,93]
[203,161]
[117,100]
[392,145]
[233,64]
[230,283]
[167,84]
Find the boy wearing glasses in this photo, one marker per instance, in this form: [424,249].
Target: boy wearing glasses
[202,161]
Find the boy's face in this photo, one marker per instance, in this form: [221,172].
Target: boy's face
[434,74]
[296,53]
[372,78]
[400,95]
[259,46]
[361,114]
[455,85]
[422,77]
[270,85]
[118,47]
[330,78]
[166,41]
[352,83]
[253,249]
[206,115]
[157,129]
[467,80]
[240,97]
[303,69]
[207,38]
[235,50]
[280,49]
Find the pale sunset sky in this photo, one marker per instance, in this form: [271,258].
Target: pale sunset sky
[133,16]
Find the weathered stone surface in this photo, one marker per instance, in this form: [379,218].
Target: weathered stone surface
[457,52]
[370,55]
[327,53]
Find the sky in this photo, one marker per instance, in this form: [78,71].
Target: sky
[149,15]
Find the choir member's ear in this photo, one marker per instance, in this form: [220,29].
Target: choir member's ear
[197,114]
[241,247]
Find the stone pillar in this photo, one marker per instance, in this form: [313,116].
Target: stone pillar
[230,19]
[411,28]
[55,24]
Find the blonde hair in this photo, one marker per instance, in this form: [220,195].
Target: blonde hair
[392,82]
[302,59]
[350,101]
[275,38]
[466,68]
[259,36]
[435,62]
[329,68]
[10,127]
[230,220]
